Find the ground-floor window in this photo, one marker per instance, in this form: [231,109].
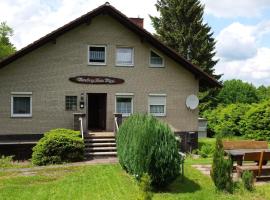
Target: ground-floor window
[21,104]
[157,104]
[124,104]
[71,103]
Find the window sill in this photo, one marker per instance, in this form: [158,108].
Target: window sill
[158,115]
[97,64]
[21,116]
[119,65]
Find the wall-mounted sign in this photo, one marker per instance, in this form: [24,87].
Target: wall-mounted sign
[96,80]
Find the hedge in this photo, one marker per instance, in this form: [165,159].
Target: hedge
[146,145]
[58,146]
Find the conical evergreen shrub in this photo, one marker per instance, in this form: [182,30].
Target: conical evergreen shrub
[221,172]
[146,145]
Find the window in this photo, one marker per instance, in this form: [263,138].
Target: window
[97,55]
[124,56]
[124,104]
[156,60]
[21,104]
[157,104]
[71,103]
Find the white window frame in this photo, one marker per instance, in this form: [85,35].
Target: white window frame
[96,63]
[154,65]
[165,105]
[124,95]
[121,64]
[21,94]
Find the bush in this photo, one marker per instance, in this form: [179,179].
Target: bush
[146,145]
[248,180]
[226,120]
[58,146]
[6,161]
[256,122]
[145,188]
[206,150]
[221,172]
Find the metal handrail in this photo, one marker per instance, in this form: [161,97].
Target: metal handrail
[81,127]
[116,124]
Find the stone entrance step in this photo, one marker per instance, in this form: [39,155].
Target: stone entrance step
[100,145]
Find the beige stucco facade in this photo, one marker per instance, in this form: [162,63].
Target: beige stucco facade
[46,71]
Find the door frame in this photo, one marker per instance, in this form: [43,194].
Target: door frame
[87,108]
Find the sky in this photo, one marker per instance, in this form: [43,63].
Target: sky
[241,28]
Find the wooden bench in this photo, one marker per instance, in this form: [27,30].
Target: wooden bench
[258,168]
[244,144]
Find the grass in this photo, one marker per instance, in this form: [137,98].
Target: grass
[101,182]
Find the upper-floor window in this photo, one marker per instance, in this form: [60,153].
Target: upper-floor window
[124,56]
[21,104]
[97,55]
[156,60]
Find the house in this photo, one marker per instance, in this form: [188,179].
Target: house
[99,64]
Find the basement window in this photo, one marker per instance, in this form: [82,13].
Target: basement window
[97,55]
[156,60]
[21,104]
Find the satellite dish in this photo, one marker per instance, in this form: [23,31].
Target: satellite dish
[192,102]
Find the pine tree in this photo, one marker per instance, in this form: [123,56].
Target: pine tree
[181,27]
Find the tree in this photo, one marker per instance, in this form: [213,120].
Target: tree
[237,91]
[6,47]
[263,92]
[181,27]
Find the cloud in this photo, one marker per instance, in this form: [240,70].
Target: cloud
[33,19]
[240,54]
[255,69]
[236,42]
[236,8]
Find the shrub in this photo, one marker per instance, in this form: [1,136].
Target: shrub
[221,169]
[146,145]
[248,180]
[58,146]
[145,188]
[226,120]
[206,150]
[6,161]
[256,122]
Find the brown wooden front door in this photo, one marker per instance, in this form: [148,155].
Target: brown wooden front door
[97,103]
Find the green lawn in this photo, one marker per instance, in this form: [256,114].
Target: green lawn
[101,182]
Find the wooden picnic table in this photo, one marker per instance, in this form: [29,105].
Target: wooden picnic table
[238,154]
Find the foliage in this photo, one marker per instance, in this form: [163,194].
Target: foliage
[226,119]
[248,180]
[208,100]
[58,146]
[237,91]
[206,151]
[146,145]
[6,161]
[221,169]
[263,93]
[6,48]
[256,122]
[145,188]
[186,31]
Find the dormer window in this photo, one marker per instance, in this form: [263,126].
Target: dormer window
[156,60]
[97,55]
